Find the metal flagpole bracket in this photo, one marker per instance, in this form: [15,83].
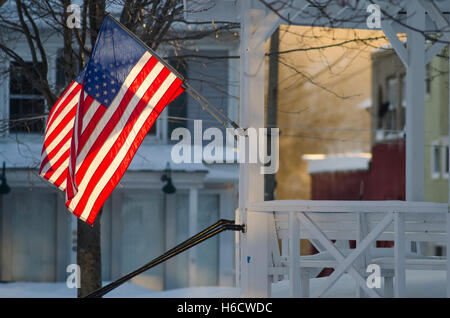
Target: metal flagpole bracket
[236,227]
[211,231]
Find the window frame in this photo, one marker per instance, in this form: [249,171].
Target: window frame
[445,158]
[390,118]
[435,174]
[10,97]
[403,90]
[428,79]
[159,134]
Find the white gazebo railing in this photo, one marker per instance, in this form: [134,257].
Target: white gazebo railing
[363,221]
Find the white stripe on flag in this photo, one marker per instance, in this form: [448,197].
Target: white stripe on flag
[61,116]
[111,109]
[50,164]
[59,171]
[63,149]
[128,143]
[89,114]
[115,133]
[62,99]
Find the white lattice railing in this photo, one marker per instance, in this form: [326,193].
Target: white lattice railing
[363,221]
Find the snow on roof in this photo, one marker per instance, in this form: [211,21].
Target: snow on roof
[365,104]
[25,152]
[383,48]
[319,163]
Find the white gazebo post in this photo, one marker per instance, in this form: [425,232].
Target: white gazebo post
[415,100]
[413,58]
[415,130]
[254,243]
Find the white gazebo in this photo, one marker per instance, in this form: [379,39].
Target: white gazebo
[259,262]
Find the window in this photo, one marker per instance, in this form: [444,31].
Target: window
[404,91]
[428,78]
[60,75]
[435,160]
[25,102]
[155,131]
[141,217]
[206,254]
[174,115]
[209,76]
[445,161]
[392,92]
[62,82]
[390,120]
[177,111]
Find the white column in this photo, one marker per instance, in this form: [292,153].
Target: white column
[294,256]
[254,243]
[399,254]
[448,214]
[193,208]
[415,98]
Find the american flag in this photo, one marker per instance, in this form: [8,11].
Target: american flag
[124,89]
[58,135]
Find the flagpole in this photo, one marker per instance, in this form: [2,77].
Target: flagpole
[216,228]
[194,93]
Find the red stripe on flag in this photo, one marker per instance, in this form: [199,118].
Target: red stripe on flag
[112,183]
[62,125]
[62,177]
[60,117]
[113,121]
[93,122]
[64,104]
[120,140]
[56,165]
[58,102]
[176,94]
[52,153]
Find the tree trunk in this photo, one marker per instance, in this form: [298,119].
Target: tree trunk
[89,256]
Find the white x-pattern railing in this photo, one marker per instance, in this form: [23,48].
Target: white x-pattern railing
[301,214]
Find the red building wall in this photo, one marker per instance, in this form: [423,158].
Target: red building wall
[385,179]
[338,185]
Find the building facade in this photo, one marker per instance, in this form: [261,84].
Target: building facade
[139,221]
[388,114]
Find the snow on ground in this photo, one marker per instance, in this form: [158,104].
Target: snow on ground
[418,284]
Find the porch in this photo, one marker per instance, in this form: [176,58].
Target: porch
[260,260]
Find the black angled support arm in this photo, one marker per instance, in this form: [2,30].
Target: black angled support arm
[213,230]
